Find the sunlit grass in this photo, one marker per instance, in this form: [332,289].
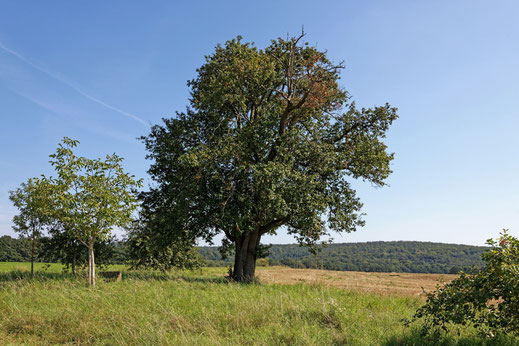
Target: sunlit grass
[45,267]
[199,307]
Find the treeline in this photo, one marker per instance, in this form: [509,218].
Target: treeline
[395,256]
[14,250]
[110,251]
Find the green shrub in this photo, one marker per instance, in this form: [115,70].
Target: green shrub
[488,300]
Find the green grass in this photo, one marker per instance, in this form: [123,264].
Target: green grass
[199,307]
[44,267]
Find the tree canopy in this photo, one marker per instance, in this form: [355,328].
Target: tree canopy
[269,139]
[32,201]
[91,196]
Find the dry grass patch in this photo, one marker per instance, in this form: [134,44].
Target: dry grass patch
[399,284]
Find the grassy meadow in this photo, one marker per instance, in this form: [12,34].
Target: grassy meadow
[201,307]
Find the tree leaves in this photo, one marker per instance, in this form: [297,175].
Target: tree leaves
[91,196]
[270,140]
[488,299]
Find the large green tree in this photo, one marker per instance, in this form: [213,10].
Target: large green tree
[91,197]
[270,139]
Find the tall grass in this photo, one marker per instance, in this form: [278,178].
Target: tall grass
[200,308]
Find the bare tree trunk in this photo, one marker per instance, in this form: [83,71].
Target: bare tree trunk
[32,255]
[74,264]
[245,257]
[91,266]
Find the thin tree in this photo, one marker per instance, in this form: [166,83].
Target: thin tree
[31,199]
[91,196]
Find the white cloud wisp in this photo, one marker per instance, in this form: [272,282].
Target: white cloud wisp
[61,79]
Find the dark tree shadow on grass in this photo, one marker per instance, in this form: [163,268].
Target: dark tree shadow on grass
[25,276]
[171,276]
[415,337]
[214,280]
[21,275]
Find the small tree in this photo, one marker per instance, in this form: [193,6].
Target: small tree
[91,196]
[31,199]
[488,299]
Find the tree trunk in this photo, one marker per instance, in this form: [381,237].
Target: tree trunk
[93,269]
[245,257]
[32,255]
[91,266]
[74,264]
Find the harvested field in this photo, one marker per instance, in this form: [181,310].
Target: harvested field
[399,284]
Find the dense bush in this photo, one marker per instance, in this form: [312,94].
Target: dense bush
[487,300]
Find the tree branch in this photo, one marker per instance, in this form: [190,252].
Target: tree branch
[273,224]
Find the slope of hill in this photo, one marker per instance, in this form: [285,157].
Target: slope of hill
[394,256]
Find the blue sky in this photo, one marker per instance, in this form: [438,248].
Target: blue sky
[100,72]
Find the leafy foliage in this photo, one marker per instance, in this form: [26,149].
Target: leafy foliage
[149,246]
[90,197]
[63,247]
[51,249]
[33,202]
[15,250]
[489,299]
[31,199]
[270,140]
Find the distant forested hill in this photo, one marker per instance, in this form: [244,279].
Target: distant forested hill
[380,256]
[14,250]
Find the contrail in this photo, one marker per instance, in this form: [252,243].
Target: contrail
[61,79]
